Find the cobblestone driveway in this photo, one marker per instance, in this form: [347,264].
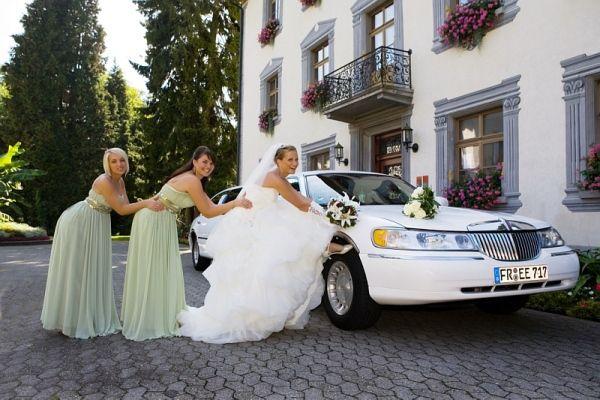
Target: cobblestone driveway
[439,353]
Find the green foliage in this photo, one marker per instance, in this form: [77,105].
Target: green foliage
[589,275]
[554,302]
[124,106]
[581,302]
[12,174]
[15,229]
[586,310]
[56,105]
[191,66]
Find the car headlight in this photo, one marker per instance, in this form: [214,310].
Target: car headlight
[391,238]
[551,238]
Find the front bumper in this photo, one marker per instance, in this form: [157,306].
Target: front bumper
[416,277]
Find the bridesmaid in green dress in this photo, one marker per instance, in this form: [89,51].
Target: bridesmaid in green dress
[79,300]
[154,292]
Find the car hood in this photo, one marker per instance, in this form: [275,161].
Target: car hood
[449,218]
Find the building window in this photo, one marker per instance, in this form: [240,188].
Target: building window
[320,161]
[597,111]
[320,62]
[382,27]
[318,155]
[479,143]
[468,139]
[581,85]
[270,87]
[507,13]
[272,93]
[317,53]
[272,10]
[376,23]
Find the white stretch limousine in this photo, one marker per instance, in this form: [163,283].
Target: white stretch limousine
[494,259]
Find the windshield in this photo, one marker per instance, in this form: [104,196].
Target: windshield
[368,189]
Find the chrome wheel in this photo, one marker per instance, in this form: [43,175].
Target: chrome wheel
[195,251]
[340,288]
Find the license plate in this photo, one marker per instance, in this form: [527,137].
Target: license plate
[529,273]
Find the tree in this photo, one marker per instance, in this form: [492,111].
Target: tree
[12,174]
[119,114]
[56,107]
[191,66]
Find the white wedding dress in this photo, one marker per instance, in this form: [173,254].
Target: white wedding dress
[265,274]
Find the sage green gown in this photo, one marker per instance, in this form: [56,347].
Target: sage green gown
[154,294]
[79,299]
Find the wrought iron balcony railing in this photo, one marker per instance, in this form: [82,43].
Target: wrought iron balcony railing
[383,67]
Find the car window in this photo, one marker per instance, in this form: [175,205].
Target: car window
[229,195]
[368,189]
[294,182]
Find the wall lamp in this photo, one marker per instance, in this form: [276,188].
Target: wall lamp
[339,154]
[407,139]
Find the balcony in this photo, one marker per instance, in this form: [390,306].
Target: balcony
[378,80]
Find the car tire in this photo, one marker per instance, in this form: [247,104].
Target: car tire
[503,305]
[200,263]
[346,297]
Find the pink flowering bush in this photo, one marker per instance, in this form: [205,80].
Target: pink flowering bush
[468,23]
[308,3]
[314,97]
[591,175]
[265,120]
[479,192]
[267,34]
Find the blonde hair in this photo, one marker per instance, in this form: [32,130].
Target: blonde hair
[280,153]
[117,152]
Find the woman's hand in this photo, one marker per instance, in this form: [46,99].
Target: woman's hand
[242,202]
[153,204]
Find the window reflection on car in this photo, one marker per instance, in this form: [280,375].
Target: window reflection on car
[368,189]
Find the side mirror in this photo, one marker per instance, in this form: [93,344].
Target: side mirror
[442,201]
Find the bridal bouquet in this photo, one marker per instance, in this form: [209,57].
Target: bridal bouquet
[421,204]
[343,211]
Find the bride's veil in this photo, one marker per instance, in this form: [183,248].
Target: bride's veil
[266,164]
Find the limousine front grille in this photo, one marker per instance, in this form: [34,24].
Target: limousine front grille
[508,246]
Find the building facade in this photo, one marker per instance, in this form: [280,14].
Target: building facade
[527,97]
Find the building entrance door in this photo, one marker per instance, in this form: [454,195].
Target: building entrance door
[387,149]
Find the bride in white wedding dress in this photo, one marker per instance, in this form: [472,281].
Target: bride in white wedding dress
[267,260]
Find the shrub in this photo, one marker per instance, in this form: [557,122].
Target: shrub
[19,230]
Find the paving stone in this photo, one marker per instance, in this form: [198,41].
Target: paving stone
[441,353]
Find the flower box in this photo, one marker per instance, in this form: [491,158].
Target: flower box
[268,32]
[266,120]
[589,194]
[315,96]
[467,24]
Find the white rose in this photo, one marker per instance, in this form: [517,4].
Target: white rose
[417,192]
[420,214]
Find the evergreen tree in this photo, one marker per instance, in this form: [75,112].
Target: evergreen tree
[56,108]
[191,66]
[120,114]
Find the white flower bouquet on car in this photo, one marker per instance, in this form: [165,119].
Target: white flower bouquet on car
[422,204]
[343,211]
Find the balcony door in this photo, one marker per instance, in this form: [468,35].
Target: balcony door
[387,149]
